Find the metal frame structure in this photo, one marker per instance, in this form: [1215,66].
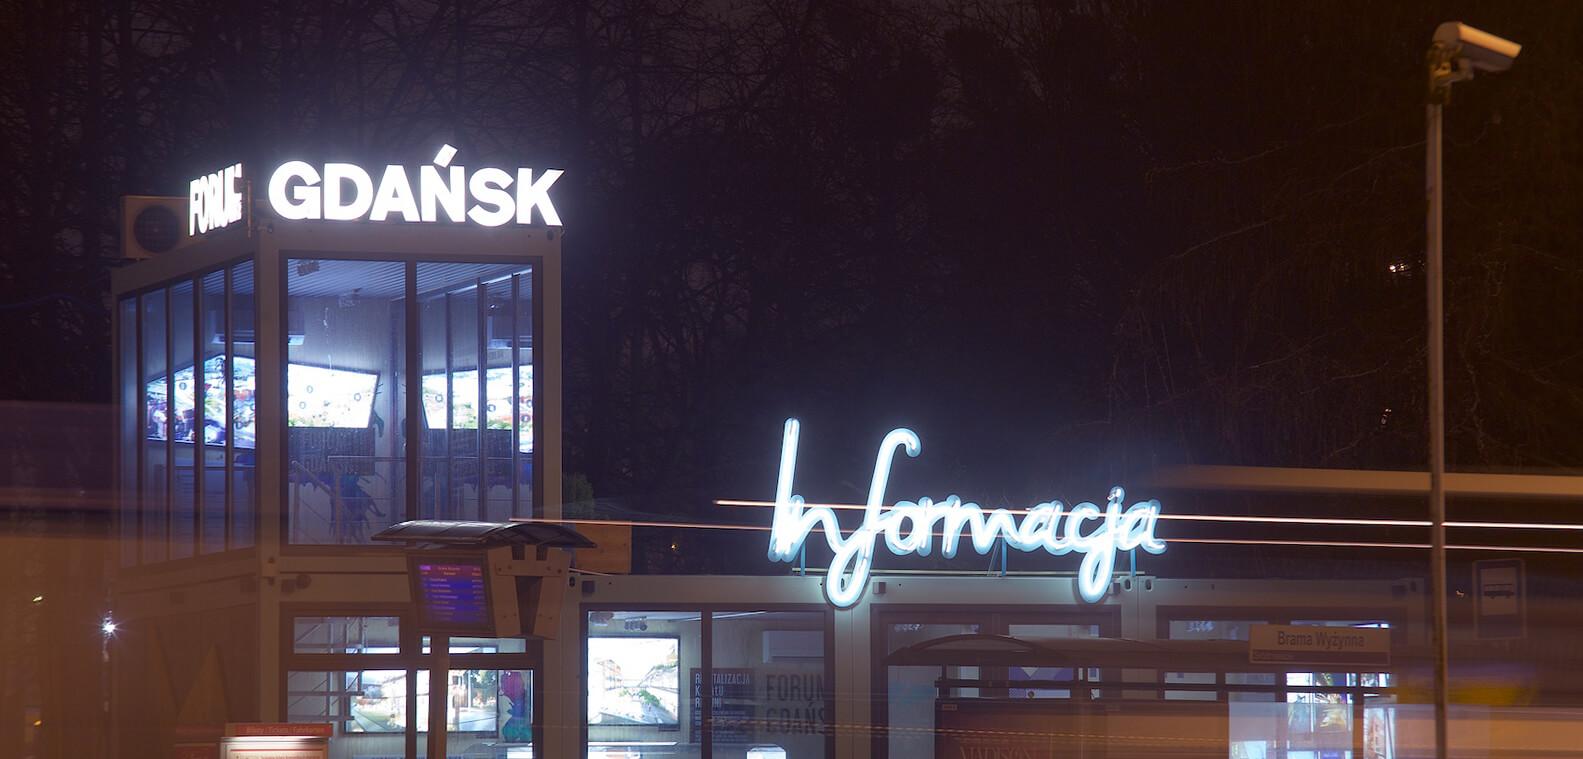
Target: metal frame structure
[267,580]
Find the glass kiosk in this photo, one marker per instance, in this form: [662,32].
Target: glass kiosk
[291,379]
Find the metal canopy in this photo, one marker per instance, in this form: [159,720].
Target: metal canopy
[1079,653]
[1367,482]
[483,534]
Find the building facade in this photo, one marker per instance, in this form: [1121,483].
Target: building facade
[288,388]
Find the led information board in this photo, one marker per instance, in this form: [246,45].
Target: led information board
[452,593]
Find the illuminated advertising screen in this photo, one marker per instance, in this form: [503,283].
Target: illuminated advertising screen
[179,417]
[633,680]
[452,594]
[320,397]
[497,397]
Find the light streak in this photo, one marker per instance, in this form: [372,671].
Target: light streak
[1199,541]
[1252,519]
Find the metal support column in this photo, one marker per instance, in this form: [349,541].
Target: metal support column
[1437,416]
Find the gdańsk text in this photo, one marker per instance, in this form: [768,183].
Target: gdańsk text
[345,192]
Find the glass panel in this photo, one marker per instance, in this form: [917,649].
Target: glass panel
[498,401]
[636,661]
[466,389]
[1211,629]
[156,434]
[768,690]
[910,692]
[183,420]
[1047,633]
[346,635]
[1318,721]
[216,426]
[472,348]
[464,645]
[368,709]
[345,338]
[243,433]
[485,708]
[130,397]
[1215,629]
[522,346]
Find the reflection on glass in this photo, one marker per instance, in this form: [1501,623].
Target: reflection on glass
[370,701]
[155,503]
[497,394]
[378,701]
[470,645]
[494,702]
[185,395]
[346,635]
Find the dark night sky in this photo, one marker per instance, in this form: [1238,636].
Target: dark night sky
[1064,242]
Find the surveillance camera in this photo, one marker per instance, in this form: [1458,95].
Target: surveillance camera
[1482,50]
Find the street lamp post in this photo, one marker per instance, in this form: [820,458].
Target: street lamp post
[1456,52]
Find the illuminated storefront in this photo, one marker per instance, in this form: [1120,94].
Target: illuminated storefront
[356,348]
[290,381]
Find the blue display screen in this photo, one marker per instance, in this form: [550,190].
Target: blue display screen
[453,595]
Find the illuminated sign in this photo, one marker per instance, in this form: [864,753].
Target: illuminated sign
[440,192]
[910,527]
[214,200]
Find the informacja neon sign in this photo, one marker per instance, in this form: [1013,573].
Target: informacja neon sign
[909,527]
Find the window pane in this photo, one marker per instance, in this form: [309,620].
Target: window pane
[1216,629]
[636,661]
[131,432]
[522,345]
[464,645]
[1047,633]
[768,688]
[484,706]
[346,635]
[911,692]
[368,709]
[477,358]
[183,421]
[243,432]
[211,388]
[156,464]
[344,408]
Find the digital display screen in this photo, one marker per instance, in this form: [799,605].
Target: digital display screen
[633,681]
[177,415]
[320,397]
[497,397]
[453,594]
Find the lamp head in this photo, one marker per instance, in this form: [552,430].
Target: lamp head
[1481,50]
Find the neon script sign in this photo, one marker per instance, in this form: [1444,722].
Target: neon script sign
[909,527]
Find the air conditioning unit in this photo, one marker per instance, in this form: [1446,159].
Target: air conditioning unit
[151,225]
[787,646]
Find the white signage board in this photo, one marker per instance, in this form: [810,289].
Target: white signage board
[1319,646]
[1499,584]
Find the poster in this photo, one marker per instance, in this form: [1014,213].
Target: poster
[731,705]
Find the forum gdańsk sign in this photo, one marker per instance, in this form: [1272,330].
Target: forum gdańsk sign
[437,192]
